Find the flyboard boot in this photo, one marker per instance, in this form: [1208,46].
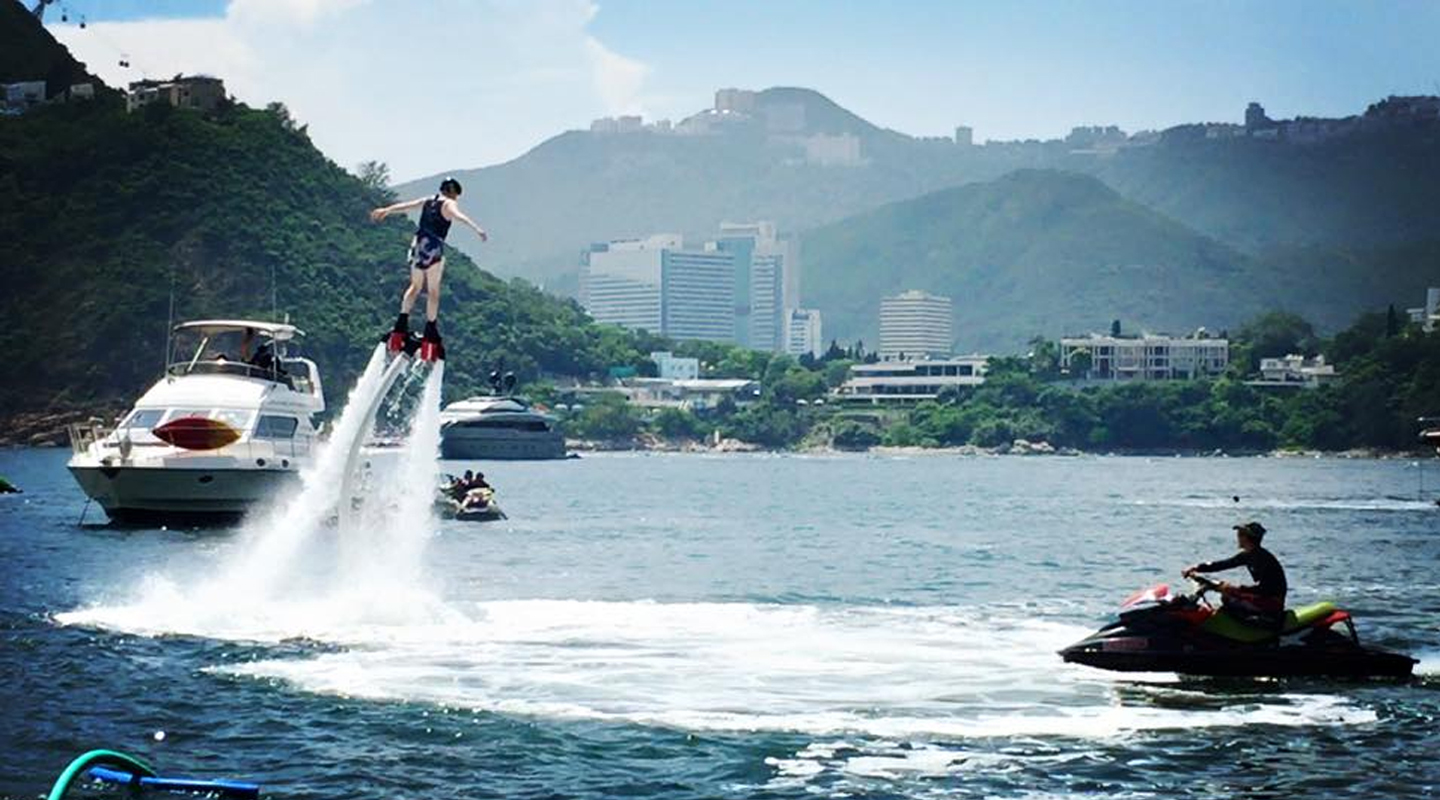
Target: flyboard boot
[395,341]
[431,348]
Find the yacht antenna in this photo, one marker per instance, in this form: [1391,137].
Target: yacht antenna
[274,305]
[169,326]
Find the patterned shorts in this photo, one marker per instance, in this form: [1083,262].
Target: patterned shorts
[425,251]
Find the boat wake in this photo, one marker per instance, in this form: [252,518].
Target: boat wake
[347,548]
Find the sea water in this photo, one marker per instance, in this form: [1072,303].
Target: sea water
[725,626]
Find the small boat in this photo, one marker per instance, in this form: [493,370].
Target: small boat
[1160,631]
[476,505]
[498,427]
[228,424]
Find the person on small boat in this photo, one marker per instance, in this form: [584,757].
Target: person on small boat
[1264,602]
[459,486]
[427,256]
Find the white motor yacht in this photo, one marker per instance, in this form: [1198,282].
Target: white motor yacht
[498,428]
[230,421]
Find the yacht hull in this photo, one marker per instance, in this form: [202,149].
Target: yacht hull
[480,444]
[142,494]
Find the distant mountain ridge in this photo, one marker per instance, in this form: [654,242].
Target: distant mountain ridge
[1351,202]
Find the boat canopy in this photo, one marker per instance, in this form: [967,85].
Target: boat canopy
[279,331]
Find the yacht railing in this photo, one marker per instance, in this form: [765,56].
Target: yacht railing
[84,434]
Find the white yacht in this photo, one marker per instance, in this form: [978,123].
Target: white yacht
[498,428]
[230,421]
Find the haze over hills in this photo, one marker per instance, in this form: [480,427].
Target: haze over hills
[1045,252]
[1348,194]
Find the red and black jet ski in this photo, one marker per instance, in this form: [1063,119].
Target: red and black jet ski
[1162,631]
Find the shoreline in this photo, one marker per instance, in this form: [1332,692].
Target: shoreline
[1026,450]
[44,429]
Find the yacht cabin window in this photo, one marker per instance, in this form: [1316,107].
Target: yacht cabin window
[275,427]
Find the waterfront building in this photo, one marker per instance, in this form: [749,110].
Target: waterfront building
[914,325]
[1148,357]
[803,332]
[910,381]
[1294,371]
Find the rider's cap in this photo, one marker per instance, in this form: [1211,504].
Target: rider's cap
[1252,529]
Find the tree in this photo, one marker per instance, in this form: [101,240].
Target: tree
[1081,363]
[1274,334]
[1115,328]
[375,175]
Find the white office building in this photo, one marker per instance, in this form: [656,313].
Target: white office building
[697,292]
[915,325]
[620,281]
[1146,358]
[657,285]
[910,381]
[803,333]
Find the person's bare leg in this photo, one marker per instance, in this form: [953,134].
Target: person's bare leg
[417,283]
[432,290]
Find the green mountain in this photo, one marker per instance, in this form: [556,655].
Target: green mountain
[107,215]
[1034,252]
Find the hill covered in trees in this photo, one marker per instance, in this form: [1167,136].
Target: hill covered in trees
[107,215]
[1054,253]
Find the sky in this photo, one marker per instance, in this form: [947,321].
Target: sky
[429,86]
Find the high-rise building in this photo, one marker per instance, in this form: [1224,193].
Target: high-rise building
[620,281]
[802,332]
[697,293]
[655,284]
[914,325]
[766,281]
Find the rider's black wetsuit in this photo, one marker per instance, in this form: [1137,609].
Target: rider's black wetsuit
[1265,601]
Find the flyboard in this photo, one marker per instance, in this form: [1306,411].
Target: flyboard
[404,353]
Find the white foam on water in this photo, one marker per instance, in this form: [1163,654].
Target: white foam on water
[292,573]
[1249,504]
[937,673]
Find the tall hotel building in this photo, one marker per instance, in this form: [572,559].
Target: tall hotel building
[915,325]
[764,266]
[655,284]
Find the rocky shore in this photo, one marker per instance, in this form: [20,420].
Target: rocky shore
[43,428]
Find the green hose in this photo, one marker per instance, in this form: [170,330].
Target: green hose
[105,758]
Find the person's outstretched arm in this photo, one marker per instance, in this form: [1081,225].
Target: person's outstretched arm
[381,213]
[452,211]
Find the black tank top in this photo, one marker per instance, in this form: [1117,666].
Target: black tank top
[432,221]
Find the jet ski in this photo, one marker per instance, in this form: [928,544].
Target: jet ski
[1162,631]
[476,505]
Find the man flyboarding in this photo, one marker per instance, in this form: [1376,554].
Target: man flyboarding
[427,263]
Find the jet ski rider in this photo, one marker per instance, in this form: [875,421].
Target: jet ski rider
[1263,603]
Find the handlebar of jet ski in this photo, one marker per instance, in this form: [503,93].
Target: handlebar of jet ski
[1205,584]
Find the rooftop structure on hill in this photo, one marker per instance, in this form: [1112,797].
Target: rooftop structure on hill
[193,91]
